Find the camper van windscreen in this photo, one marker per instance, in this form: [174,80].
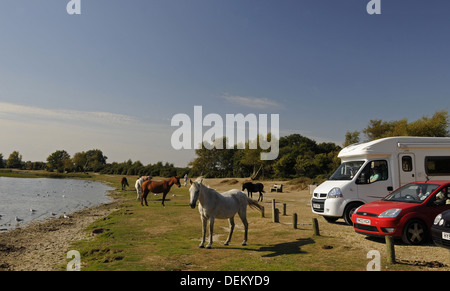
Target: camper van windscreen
[347,170]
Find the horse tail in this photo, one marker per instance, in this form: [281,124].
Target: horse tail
[253,204]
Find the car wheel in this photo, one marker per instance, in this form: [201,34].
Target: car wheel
[415,232]
[348,212]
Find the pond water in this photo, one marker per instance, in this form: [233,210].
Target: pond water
[23,200]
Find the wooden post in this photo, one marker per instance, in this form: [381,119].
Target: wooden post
[315,224]
[262,211]
[273,210]
[276,217]
[284,209]
[294,220]
[390,249]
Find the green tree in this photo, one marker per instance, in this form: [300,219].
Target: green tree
[14,161]
[95,160]
[351,138]
[2,164]
[60,161]
[79,161]
[436,126]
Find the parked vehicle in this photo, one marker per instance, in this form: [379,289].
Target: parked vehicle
[407,213]
[440,231]
[370,171]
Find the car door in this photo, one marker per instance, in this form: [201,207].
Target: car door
[436,205]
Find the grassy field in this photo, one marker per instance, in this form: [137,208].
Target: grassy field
[160,238]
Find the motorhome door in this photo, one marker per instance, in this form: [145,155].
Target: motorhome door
[407,168]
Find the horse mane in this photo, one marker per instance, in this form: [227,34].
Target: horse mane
[199,180]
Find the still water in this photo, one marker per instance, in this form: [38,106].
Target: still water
[23,200]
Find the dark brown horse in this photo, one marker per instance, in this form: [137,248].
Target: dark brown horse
[158,187]
[258,187]
[124,182]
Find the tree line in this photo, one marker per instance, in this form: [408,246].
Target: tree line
[299,156]
[91,161]
[435,126]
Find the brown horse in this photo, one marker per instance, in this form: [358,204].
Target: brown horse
[124,182]
[158,187]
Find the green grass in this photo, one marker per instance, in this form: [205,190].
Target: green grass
[158,238]
[167,238]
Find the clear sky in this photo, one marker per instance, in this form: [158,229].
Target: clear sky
[113,77]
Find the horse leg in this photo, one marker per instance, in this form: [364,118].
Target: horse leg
[243,216]
[164,198]
[142,198]
[231,220]
[211,228]
[138,194]
[204,223]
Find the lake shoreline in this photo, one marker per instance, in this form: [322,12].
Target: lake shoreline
[42,245]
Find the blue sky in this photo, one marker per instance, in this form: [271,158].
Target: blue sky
[113,77]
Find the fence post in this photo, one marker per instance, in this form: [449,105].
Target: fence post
[276,218]
[294,220]
[273,210]
[315,224]
[284,209]
[390,249]
[262,211]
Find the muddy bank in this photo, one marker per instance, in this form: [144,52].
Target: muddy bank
[43,246]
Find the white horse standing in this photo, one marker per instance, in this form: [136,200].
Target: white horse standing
[138,185]
[224,206]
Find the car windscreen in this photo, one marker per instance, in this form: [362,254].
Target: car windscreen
[412,193]
[347,170]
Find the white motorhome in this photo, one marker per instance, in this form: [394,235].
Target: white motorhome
[370,171]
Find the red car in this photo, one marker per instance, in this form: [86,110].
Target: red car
[408,212]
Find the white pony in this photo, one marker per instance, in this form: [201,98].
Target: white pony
[138,185]
[216,205]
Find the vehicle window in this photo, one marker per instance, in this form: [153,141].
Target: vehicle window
[407,164]
[347,170]
[442,197]
[414,193]
[437,166]
[373,172]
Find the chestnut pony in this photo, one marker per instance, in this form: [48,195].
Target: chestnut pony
[158,187]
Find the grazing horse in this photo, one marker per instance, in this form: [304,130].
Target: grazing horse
[158,187]
[124,182]
[138,185]
[223,206]
[258,187]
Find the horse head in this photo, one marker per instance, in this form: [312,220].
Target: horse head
[194,192]
[177,181]
[246,186]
